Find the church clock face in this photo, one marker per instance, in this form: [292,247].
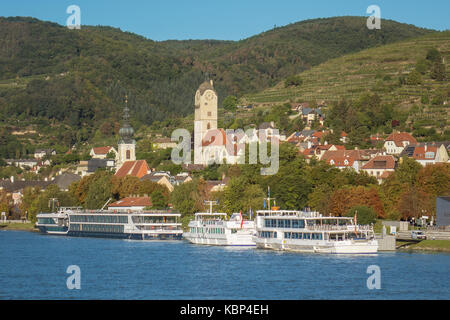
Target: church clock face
[209,96]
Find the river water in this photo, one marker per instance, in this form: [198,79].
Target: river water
[33,266]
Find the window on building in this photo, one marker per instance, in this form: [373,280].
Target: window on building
[128,155]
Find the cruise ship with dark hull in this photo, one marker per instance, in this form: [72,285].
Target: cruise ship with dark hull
[136,225]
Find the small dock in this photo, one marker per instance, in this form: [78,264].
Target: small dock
[386,242]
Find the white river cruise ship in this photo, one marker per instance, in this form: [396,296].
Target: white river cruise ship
[212,228]
[138,225]
[311,232]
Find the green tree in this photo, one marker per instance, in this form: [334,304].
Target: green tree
[230,103]
[438,71]
[158,200]
[433,55]
[364,214]
[187,198]
[293,81]
[407,171]
[414,78]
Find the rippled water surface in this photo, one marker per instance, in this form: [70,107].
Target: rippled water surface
[33,266]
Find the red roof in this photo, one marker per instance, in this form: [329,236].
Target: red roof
[138,168]
[420,152]
[308,152]
[319,134]
[102,150]
[380,162]
[338,157]
[399,137]
[132,202]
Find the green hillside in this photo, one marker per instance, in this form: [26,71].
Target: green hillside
[69,85]
[376,70]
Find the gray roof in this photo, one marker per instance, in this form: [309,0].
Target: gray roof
[64,180]
[94,164]
[151,177]
[307,133]
[20,185]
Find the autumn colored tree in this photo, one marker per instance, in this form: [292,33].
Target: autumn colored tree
[5,202]
[435,179]
[94,190]
[125,186]
[414,203]
[147,187]
[390,191]
[345,198]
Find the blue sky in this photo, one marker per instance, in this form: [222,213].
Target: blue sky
[231,19]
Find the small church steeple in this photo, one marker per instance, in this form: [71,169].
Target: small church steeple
[126,145]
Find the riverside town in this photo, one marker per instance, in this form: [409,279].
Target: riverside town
[223,151]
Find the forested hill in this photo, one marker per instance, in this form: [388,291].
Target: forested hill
[79,77]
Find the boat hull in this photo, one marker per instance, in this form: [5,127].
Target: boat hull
[108,235]
[343,247]
[241,241]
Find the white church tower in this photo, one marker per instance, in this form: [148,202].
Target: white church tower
[205,116]
[127,145]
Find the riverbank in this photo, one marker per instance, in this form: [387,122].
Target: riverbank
[428,245]
[18,226]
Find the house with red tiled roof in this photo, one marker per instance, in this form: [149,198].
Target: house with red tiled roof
[102,152]
[131,203]
[430,154]
[136,168]
[397,141]
[321,149]
[342,159]
[380,166]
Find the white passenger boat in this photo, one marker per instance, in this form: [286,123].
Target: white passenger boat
[138,225]
[212,228]
[311,232]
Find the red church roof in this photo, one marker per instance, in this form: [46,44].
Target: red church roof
[102,150]
[138,168]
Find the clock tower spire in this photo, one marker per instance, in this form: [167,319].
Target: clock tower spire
[205,115]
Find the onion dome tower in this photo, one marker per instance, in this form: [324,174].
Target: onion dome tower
[126,145]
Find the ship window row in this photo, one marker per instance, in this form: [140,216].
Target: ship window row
[207,230]
[99,218]
[46,221]
[303,235]
[267,234]
[55,229]
[147,219]
[284,223]
[96,228]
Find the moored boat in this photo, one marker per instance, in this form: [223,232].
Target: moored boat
[311,232]
[138,225]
